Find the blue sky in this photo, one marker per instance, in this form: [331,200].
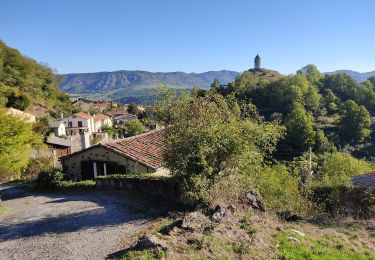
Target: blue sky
[191,35]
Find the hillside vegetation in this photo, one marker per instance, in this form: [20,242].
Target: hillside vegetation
[28,85]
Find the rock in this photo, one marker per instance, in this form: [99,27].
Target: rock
[288,216]
[219,213]
[293,239]
[150,242]
[298,232]
[194,221]
[254,200]
[172,228]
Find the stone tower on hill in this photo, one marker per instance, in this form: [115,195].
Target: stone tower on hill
[257,63]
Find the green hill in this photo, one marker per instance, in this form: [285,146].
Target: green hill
[28,85]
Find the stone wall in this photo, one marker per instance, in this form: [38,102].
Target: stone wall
[164,187]
[72,163]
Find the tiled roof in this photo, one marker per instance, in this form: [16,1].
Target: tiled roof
[364,180]
[58,141]
[100,117]
[54,124]
[83,115]
[146,148]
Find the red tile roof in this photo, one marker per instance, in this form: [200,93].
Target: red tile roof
[364,180]
[146,149]
[100,117]
[83,115]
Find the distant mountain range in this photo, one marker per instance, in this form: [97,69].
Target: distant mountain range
[128,86]
[111,81]
[359,77]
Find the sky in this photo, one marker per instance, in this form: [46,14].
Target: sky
[191,35]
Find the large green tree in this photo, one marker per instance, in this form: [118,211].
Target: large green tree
[206,141]
[355,122]
[16,141]
[299,129]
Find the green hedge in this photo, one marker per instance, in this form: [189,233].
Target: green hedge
[75,185]
[142,176]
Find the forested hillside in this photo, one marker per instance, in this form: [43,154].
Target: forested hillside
[325,112]
[28,85]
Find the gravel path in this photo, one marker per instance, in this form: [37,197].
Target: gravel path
[65,226]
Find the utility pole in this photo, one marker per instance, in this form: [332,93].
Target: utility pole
[310,160]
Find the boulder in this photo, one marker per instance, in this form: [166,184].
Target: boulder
[253,200]
[298,232]
[150,242]
[288,216]
[293,239]
[219,213]
[195,221]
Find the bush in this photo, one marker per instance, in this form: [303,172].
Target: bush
[49,179]
[278,188]
[344,201]
[338,168]
[75,185]
[35,166]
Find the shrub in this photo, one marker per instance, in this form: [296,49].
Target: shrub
[338,168]
[278,188]
[75,185]
[35,166]
[49,179]
[344,201]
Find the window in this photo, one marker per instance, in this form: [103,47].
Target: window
[79,123]
[70,124]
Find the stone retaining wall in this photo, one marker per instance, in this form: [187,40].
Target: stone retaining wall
[165,188]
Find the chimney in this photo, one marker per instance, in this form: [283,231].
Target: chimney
[62,115]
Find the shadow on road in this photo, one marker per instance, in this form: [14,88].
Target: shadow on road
[105,209]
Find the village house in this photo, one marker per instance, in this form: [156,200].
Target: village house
[101,121]
[79,123]
[138,154]
[121,118]
[59,146]
[57,127]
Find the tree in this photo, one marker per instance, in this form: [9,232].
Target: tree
[206,141]
[299,130]
[133,108]
[16,141]
[20,102]
[355,122]
[311,72]
[134,127]
[215,85]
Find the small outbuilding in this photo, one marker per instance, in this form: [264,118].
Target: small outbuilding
[138,154]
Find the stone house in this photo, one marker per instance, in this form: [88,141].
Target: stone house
[138,154]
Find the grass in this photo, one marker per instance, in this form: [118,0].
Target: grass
[3,209]
[143,255]
[326,247]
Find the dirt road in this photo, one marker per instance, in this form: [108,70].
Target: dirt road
[66,226]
